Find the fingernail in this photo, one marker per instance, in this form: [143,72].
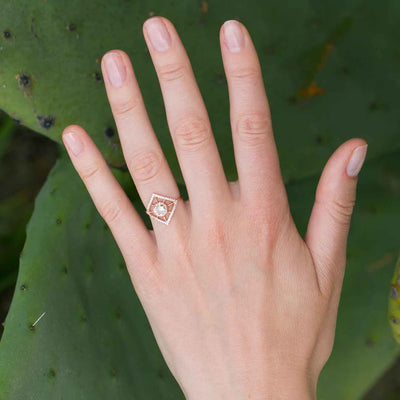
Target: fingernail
[356,161]
[115,68]
[73,142]
[233,35]
[159,36]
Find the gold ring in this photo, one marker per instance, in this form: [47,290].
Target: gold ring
[161,207]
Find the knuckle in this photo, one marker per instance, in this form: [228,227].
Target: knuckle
[191,133]
[267,222]
[171,72]
[253,128]
[90,171]
[270,218]
[145,165]
[110,210]
[125,107]
[340,211]
[246,74]
[217,234]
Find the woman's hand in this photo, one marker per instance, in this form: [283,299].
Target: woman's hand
[241,306]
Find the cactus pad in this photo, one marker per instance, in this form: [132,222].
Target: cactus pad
[394,303]
[76,329]
[331,70]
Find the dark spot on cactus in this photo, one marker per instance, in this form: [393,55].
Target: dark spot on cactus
[369,342]
[52,373]
[373,106]
[45,121]
[220,78]
[71,27]
[58,221]
[52,191]
[6,34]
[394,320]
[160,373]
[109,132]
[65,269]
[91,268]
[117,314]
[113,373]
[97,77]
[87,225]
[84,318]
[201,21]
[345,71]
[122,265]
[319,139]
[33,29]
[31,327]
[24,81]
[394,294]
[293,100]
[23,287]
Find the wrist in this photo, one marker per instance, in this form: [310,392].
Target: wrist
[286,387]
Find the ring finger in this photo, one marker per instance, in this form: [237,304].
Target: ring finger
[142,151]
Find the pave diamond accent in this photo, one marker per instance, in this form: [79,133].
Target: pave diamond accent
[161,208]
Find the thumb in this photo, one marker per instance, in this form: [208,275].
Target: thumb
[329,223]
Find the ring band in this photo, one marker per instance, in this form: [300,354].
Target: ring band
[161,207]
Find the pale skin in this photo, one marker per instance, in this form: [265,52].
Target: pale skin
[241,306]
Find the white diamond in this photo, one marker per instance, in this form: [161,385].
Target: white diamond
[160,209]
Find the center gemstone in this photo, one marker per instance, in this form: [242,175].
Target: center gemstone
[160,209]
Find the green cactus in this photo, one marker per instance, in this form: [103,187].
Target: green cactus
[394,303]
[94,341]
[329,74]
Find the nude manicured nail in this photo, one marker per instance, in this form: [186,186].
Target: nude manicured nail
[159,36]
[115,68]
[356,161]
[233,35]
[73,142]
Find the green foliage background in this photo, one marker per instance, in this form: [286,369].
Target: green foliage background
[331,71]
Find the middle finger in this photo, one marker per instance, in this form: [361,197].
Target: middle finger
[187,117]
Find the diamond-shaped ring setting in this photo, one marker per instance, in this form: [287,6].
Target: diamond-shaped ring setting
[161,208]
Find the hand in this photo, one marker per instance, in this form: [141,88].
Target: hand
[241,306]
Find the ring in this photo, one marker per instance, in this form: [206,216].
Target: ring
[162,208]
